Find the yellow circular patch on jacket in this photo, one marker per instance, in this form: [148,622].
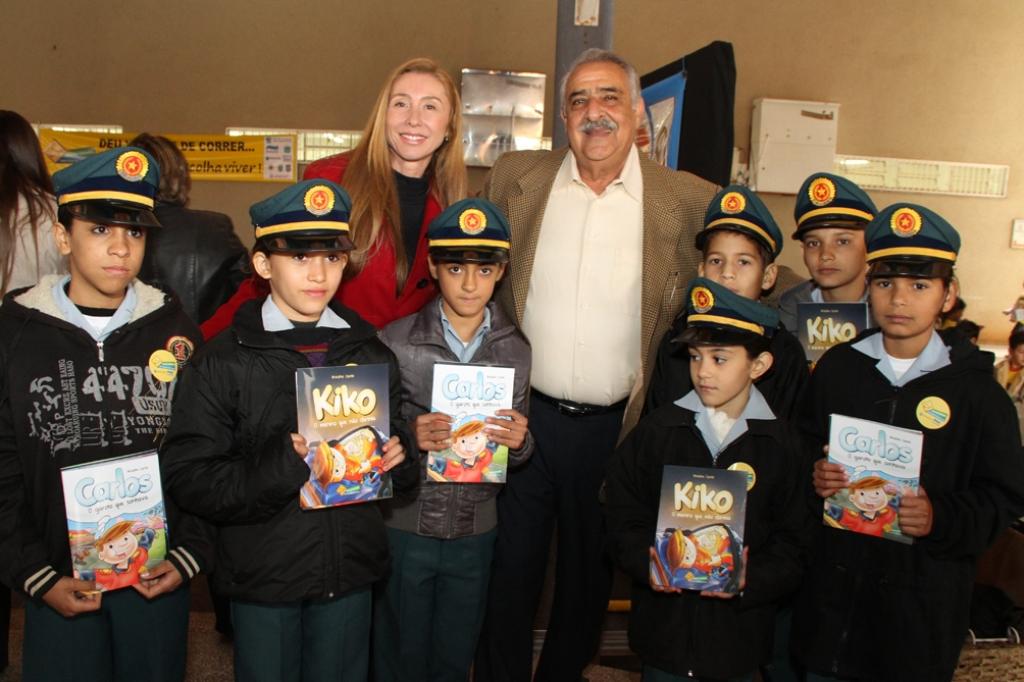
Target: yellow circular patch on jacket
[163,365]
[933,412]
[748,470]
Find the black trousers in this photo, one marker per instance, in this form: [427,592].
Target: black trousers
[557,488]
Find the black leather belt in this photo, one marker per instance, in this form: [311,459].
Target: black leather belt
[572,409]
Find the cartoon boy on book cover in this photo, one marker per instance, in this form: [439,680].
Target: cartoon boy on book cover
[874,515]
[124,545]
[469,443]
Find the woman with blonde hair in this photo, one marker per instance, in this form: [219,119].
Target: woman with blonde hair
[405,170]
[27,207]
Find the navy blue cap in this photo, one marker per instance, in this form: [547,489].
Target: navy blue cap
[469,231]
[911,240]
[710,304]
[117,186]
[827,200]
[738,208]
[311,215]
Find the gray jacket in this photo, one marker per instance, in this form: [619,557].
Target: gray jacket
[451,510]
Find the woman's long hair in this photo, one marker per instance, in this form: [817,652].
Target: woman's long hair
[370,181]
[22,174]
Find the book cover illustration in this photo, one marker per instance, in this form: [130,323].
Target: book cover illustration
[469,394]
[344,415]
[883,463]
[117,524]
[698,544]
[819,326]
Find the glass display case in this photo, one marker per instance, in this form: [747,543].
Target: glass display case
[502,111]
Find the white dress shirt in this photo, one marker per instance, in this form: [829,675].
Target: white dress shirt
[582,313]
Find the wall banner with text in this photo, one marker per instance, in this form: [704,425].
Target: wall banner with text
[245,158]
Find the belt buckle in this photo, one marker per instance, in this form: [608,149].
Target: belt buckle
[571,410]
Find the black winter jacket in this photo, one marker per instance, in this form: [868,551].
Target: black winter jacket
[687,634]
[229,459]
[66,400]
[452,510]
[873,609]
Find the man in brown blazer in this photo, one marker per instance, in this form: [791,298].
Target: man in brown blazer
[602,251]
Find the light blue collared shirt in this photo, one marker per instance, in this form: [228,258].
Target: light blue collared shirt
[275,321]
[463,350]
[934,356]
[756,408]
[72,314]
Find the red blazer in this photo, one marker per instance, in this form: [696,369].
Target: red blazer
[371,293]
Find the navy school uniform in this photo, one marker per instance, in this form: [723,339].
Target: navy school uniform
[688,635]
[877,610]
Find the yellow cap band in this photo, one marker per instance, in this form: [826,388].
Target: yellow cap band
[729,321]
[105,194]
[912,251]
[856,213]
[742,223]
[332,225]
[494,243]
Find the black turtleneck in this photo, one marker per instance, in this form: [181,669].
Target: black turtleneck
[412,203]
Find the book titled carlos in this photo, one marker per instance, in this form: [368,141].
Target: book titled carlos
[883,463]
[117,525]
[819,326]
[344,415]
[469,394]
[699,541]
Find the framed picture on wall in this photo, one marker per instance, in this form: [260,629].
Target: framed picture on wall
[663,92]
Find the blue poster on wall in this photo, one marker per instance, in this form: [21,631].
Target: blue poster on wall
[663,103]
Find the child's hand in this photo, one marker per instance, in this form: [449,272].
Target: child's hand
[70,597]
[433,431]
[300,445]
[657,587]
[510,432]
[829,477]
[163,577]
[393,454]
[743,581]
[916,514]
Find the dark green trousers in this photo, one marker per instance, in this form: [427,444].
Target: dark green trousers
[427,617]
[308,641]
[128,640]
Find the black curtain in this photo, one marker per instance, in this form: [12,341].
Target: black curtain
[706,135]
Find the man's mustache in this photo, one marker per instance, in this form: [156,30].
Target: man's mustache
[601,123]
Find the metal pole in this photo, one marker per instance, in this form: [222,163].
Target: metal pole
[570,41]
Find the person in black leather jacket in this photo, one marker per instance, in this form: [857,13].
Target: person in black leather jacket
[197,254]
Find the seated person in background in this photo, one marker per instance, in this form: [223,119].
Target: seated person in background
[197,254]
[830,214]
[1010,377]
[739,244]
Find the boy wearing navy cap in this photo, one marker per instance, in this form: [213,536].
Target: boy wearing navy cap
[831,213]
[299,582]
[428,616]
[739,244]
[873,609]
[75,358]
[724,423]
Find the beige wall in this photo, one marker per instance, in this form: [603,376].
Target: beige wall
[915,78]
